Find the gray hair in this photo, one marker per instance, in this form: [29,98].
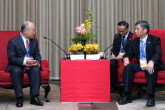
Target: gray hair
[25,25]
[144,24]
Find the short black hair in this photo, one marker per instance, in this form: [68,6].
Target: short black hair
[123,23]
[144,24]
[24,26]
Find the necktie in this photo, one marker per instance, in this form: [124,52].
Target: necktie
[142,51]
[123,41]
[123,44]
[27,44]
[27,48]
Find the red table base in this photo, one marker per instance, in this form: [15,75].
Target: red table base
[85,81]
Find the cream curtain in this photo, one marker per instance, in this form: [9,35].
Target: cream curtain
[57,19]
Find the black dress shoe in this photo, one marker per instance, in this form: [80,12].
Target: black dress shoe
[36,101]
[19,102]
[125,100]
[150,102]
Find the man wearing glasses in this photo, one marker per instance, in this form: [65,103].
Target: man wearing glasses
[120,45]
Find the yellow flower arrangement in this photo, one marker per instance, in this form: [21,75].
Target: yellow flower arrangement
[91,48]
[83,34]
[75,48]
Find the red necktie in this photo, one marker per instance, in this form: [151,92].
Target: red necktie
[27,47]
[27,44]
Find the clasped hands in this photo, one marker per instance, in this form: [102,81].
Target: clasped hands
[149,68]
[32,62]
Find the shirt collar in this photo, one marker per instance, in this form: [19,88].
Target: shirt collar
[145,39]
[126,35]
[23,38]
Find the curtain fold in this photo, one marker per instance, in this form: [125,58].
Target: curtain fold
[57,20]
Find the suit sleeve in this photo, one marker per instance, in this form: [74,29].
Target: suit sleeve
[156,55]
[12,55]
[115,45]
[37,53]
[129,54]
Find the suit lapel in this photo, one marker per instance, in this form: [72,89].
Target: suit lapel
[21,43]
[148,45]
[31,45]
[137,48]
[128,39]
[120,40]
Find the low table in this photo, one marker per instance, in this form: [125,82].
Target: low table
[85,80]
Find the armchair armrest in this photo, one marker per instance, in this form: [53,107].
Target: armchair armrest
[45,65]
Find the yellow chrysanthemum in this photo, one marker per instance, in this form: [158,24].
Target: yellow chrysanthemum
[79,46]
[76,47]
[96,46]
[91,48]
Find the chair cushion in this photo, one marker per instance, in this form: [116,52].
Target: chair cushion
[5,78]
[141,78]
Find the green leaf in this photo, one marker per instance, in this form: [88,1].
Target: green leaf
[76,40]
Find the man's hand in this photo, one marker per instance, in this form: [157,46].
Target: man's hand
[112,56]
[119,57]
[126,61]
[150,67]
[36,64]
[30,61]
[116,58]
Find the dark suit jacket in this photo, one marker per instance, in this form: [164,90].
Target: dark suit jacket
[153,50]
[16,52]
[117,43]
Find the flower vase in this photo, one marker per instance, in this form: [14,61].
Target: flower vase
[77,55]
[83,42]
[93,56]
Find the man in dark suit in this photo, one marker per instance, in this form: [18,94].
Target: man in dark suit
[24,57]
[120,46]
[147,50]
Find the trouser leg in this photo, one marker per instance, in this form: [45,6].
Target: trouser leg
[114,73]
[128,76]
[35,78]
[151,81]
[17,81]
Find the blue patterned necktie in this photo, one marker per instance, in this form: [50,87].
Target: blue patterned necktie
[142,51]
[123,41]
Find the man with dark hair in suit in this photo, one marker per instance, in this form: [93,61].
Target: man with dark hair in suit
[24,57]
[147,50]
[120,45]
